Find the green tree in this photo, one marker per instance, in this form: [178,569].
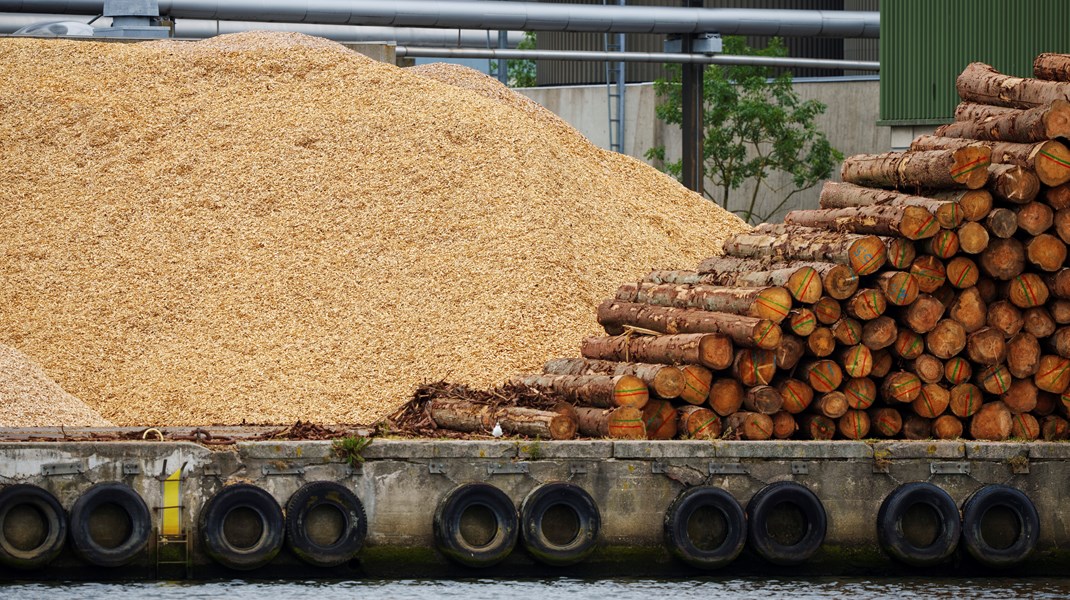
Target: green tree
[753,125]
[521,72]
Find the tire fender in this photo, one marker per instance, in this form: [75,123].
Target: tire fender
[127,500]
[54,520]
[890,533]
[578,504]
[1019,504]
[763,505]
[331,495]
[213,517]
[678,532]
[450,538]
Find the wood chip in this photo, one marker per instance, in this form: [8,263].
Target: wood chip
[266,227]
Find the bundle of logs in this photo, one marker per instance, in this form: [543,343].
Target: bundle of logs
[926,298]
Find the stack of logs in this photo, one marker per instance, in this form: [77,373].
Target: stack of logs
[926,298]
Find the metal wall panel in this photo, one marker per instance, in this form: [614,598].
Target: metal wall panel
[925,44]
[576,73]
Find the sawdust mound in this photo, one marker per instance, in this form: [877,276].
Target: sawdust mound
[266,228]
[28,398]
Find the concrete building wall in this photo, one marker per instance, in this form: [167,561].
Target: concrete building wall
[850,122]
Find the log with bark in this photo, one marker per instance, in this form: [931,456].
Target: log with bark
[763,399]
[726,396]
[462,415]
[944,244]
[927,367]
[866,304]
[822,375]
[932,401]
[860,392]
[908,345]
[1049,160]
[624,422]
[961,167]
[831,404]
[992,422]
[864,253]
[746,332]
[696,422]
[962,272]
[1003,259]
[885,422]
[711,350]
[994,379]
[802,322]
[901,387]
[750,426]
[772,303]
[957,370]
[848,331]
[911,222]
[1046,252]
[901,252]
[917,428]
[929,272]
[880,333]
[1052,66]
[947,427]
[1025,126]
[827,310]
[660,420]
[789,352]
[754,367]
[1013,183]
[817,427]
[983,84]
[663,380]
[697,384]
[821,343]
[802,281]
[602,391]
[796,394]
[973,237]
[973,204]
[1035,218]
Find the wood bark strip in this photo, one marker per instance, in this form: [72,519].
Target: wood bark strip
[601,391]
[461,415]
[1013,183]
[983,84]
[865,254]
[623,422]
[1024,126]
[771,303]
[663,380]
[1052,66]
[746,332]
[1049,160]
[711,350]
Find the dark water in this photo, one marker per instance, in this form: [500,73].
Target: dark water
[556,589]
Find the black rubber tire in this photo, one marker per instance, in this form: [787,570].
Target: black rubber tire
[762,506]
[679,515]
[124,497]
[52,514]
[588,521]
[449,538]
[213,518]
[890,532]
[1014,500]
[319,494]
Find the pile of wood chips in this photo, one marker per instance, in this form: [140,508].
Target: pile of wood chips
[266,228]
[28,398]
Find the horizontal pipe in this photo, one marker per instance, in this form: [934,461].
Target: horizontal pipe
[654,57]
[201,28]
[526,16]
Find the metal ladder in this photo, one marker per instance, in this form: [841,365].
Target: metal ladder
[615,80]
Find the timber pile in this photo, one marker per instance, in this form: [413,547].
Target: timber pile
[928,297]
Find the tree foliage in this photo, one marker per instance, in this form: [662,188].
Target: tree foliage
[521,73]
[753,125]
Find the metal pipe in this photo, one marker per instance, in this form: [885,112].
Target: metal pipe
[528,16]
[200,28]
[655,57]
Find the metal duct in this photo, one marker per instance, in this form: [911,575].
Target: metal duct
[657,57]
[528,16]
[199,29]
